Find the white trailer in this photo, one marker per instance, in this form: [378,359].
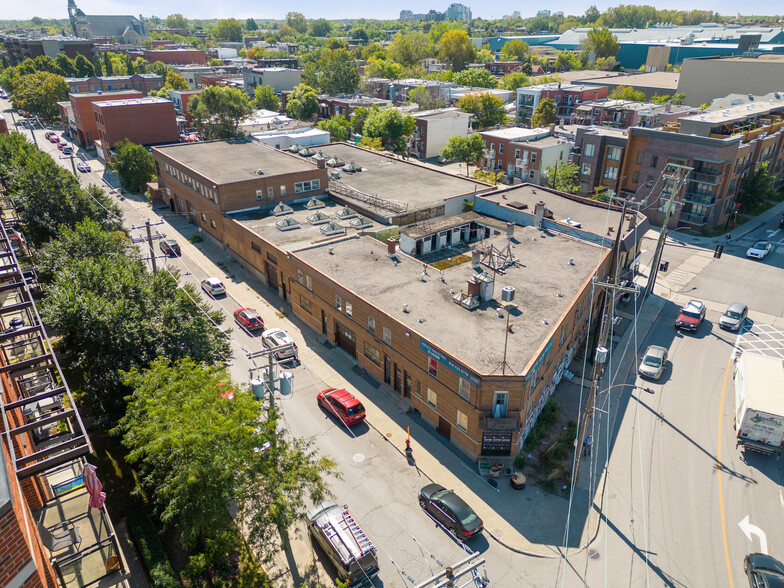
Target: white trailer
[759,403]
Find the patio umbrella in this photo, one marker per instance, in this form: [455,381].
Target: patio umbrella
[93,485]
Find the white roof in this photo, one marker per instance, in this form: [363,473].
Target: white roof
[764,382]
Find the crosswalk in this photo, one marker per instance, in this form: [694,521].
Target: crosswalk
[761,339]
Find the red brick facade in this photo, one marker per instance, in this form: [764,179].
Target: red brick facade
[176,56]
[146,121]
[82,106]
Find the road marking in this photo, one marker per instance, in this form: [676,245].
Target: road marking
[749,530]
[772,232]
[718,459]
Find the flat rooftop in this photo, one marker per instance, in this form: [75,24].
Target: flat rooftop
[264,225]
[391,178]
[473,337]
[131,101]
[606,131]
[517,134]
[737,113]
[237,160]
[440,113]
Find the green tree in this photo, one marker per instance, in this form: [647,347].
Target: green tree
[108,67]
[425,99]
[129,65]
[383,68]
[627,93]
[218,110]
[265,97]
[83,67]
[456,49]
[488,109]
[337,72]
[476,77]
[65,65]
[39,93]
[756,188]
[320,27]
[567,61]
[514,50]
[176,21]
[390,125]
[514,80]
[250,25]
[302,103]
[564,177]
[408,49]
[140,65]
[359,116]
[339,128]
[485,56]
[468,150]
[297,21]
[601,41]
[228,29]
[545,113]
[134,165]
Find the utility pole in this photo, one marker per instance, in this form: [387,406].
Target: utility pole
[149,239]
[673,181]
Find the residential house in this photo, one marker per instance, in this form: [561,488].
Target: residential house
[435,127]
[525,154]
[566,97]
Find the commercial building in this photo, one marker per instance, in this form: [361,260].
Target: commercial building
[20,47]
[193,73]
[457,11]
[622,114]
[345,104]
[84,125]
[525,154]
[566,97]
[176,56]
[144,83]
[435,127]
[705,79]
[663,83]
[48,529]
[144,121]
[279,78]
[283,137]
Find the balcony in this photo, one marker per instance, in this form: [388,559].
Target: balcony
[705,199]
[511,422]
[692,218]
[711,178]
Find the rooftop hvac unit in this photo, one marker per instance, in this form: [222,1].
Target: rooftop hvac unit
[508,293]
[601,354]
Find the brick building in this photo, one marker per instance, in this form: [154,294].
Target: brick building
[42,490]
[83,125]
[346,104]
[144,83]
[144,121]
[180,98]
[525,154]
[598,153]
[175,56]
[20,47]
[566,97]
[501,68]
[622,114]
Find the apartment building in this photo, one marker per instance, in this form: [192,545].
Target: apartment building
[84,125]
[179,56]
[345,104]
[144,121]
[435,127]
[525,154]
[598,153]
[180,99]
[566,97]
[144,83]
[279,78]
[20,47]
[622,114]
[501,68]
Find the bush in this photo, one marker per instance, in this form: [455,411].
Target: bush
[547,418]
[196,239]
[149,546]
[520,461]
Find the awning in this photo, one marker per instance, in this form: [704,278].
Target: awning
[584,108]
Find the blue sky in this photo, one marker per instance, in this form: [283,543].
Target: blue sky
[345,9]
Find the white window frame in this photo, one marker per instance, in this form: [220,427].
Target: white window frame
[387,332]
[349,309]
[338,303]
[462,422]
[464,389]
[371,325]
[432,398]
[590,149]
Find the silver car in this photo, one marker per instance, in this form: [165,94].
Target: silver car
[734,317]
[653,362]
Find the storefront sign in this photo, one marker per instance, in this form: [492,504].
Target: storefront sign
[441,358]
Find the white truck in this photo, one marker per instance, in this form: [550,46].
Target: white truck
[759,403]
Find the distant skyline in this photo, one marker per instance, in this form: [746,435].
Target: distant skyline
[348,9]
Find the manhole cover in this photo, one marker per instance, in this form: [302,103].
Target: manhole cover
[593,554]
[359,457]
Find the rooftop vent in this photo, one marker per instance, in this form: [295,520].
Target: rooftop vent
[318,219]
[332,228]
[260,172]
[287,224]
[282,209]
[345,213]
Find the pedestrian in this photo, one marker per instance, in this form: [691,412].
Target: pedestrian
[587,444]
[727,238]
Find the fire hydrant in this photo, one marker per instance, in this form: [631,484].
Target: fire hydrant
[409,451]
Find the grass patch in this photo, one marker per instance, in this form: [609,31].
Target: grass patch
[384,235]
[119,479]
[445,264]
[196,238]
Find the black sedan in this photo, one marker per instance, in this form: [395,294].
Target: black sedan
[170,248]
[451,511]
[763,571]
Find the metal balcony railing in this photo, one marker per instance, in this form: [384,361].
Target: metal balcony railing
[700,198]
[706,177]
[693,218]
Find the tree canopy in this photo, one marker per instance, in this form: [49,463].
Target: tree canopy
[302,103]
[297,21]
[514,50]
[336,72]
[176,21]
[426,99]
[389,125]
[456,49]
[601,41]
[408,49]
[514,80]
[228,29]
[265,97]
[320,27]
[476,77]
[488,109]
[134,165]
[545,113]
[39,93]
[468,150]
[627,93]
[218,110]
[564,177]
[339,128]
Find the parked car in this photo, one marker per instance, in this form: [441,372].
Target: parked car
[67,149]
[451,511]
[83,166]
[759,250]
[343,405]
[61,143]
[213,287]
[53,138]
[763,571]
[4,95]
[691,316]
[653,362]
[249,318]
[734,317]
[277,338]
[170,248]
[48,134]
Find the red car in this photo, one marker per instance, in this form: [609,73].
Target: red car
[343,405]
[54,139]
[249,318]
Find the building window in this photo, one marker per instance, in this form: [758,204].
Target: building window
[517,154]
[614,153]
[563,337]
[308,283]
[432,367]
[372,354]
[349,309]
[531,175]
[338,303]
[432,398]
[307,186]
[255,247]
[203,217]
[500,149]
[387,335]
[586,169]
[299,276]
[282,191]
[635,177]
[462,422]
[654,161]
[270,192]
[639,157]
[533,157]
[611,173]
[272,258]
[304,302]
[464,389]
[212,224]
[371,325]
